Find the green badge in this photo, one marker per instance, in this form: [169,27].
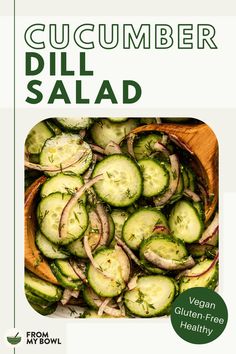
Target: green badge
[199,315]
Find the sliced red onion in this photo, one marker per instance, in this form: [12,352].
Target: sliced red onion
[211,230]
[112,148]
[97,148]
[122,309]
[107,309]
[82,133]
[67,164]
[72,202]
[105,223]
[75,293]
[99,157]
[78,272]
[180,143]
[103,305]
[168,264]
[204,195]
[89,172]
[164,139]
[125,273]
[95,223]
[161,148]
[67,293]
[192,195]
[186,273]
[130,144]
[174,180]
[128,251]
[92,260]
[161,229]
[132,283]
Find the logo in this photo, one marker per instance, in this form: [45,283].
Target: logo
[13,337]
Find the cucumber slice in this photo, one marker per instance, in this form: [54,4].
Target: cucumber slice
[117,120]
[185,177]
[197,250]
[42,288]
[74,124]
[77,248]
[122,182]
[207,280]
[48,248]
[179,191]
[111,230]
[191,178]
[140,226]
[200,209]
[37,137]
[35,299]
[44,310]
[152,296]
[151,268]
[62,183]
[155,177]
[64,280]
[116,268]
[89,296]
[49,213]
[62,148]
[165,246]
[148,120]
[185,222]
[144,146]
[119,217]
[66,269]
[104,131]
[52,126]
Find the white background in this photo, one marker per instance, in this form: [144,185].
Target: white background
[187,84]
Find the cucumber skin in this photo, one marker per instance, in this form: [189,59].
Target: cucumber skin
[35,299]
[57,297]
[65,256]
[64,281]
[88,301]
[151,268]
[61,270]
[44,311]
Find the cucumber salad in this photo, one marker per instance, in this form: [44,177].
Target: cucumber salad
[115,220]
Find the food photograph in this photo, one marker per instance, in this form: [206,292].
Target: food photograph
[121,215]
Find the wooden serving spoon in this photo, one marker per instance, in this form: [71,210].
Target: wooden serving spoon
[201,142]
[33,259]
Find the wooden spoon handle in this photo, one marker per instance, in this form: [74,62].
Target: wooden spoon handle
[33,259]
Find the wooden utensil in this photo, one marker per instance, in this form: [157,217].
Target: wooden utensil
[201,141]
[33,259]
